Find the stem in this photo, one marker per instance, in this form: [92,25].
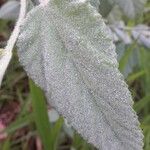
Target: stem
[7,53]
[15,33]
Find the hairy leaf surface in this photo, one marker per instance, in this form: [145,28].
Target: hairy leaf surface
[66,49]
[95,3]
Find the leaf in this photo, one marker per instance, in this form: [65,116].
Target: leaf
[118,28]
[142,34]
[135,76]
[126,58]
[144,59]
[142,103]
[41,116]
[105,8]
[131,8]
[56,132]
[6,145]
[19,123]
[114,15]
[65,47]
[95,3]
[10,10]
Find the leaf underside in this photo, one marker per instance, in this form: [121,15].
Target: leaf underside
[66,49]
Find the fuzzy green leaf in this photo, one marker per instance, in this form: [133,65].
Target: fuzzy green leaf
[65,47]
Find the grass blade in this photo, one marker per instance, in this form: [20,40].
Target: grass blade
[56,130]
[135,76]
[124,60]
[141,104]
[41,116]
[19,123]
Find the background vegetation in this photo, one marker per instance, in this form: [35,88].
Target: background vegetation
[24,122]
